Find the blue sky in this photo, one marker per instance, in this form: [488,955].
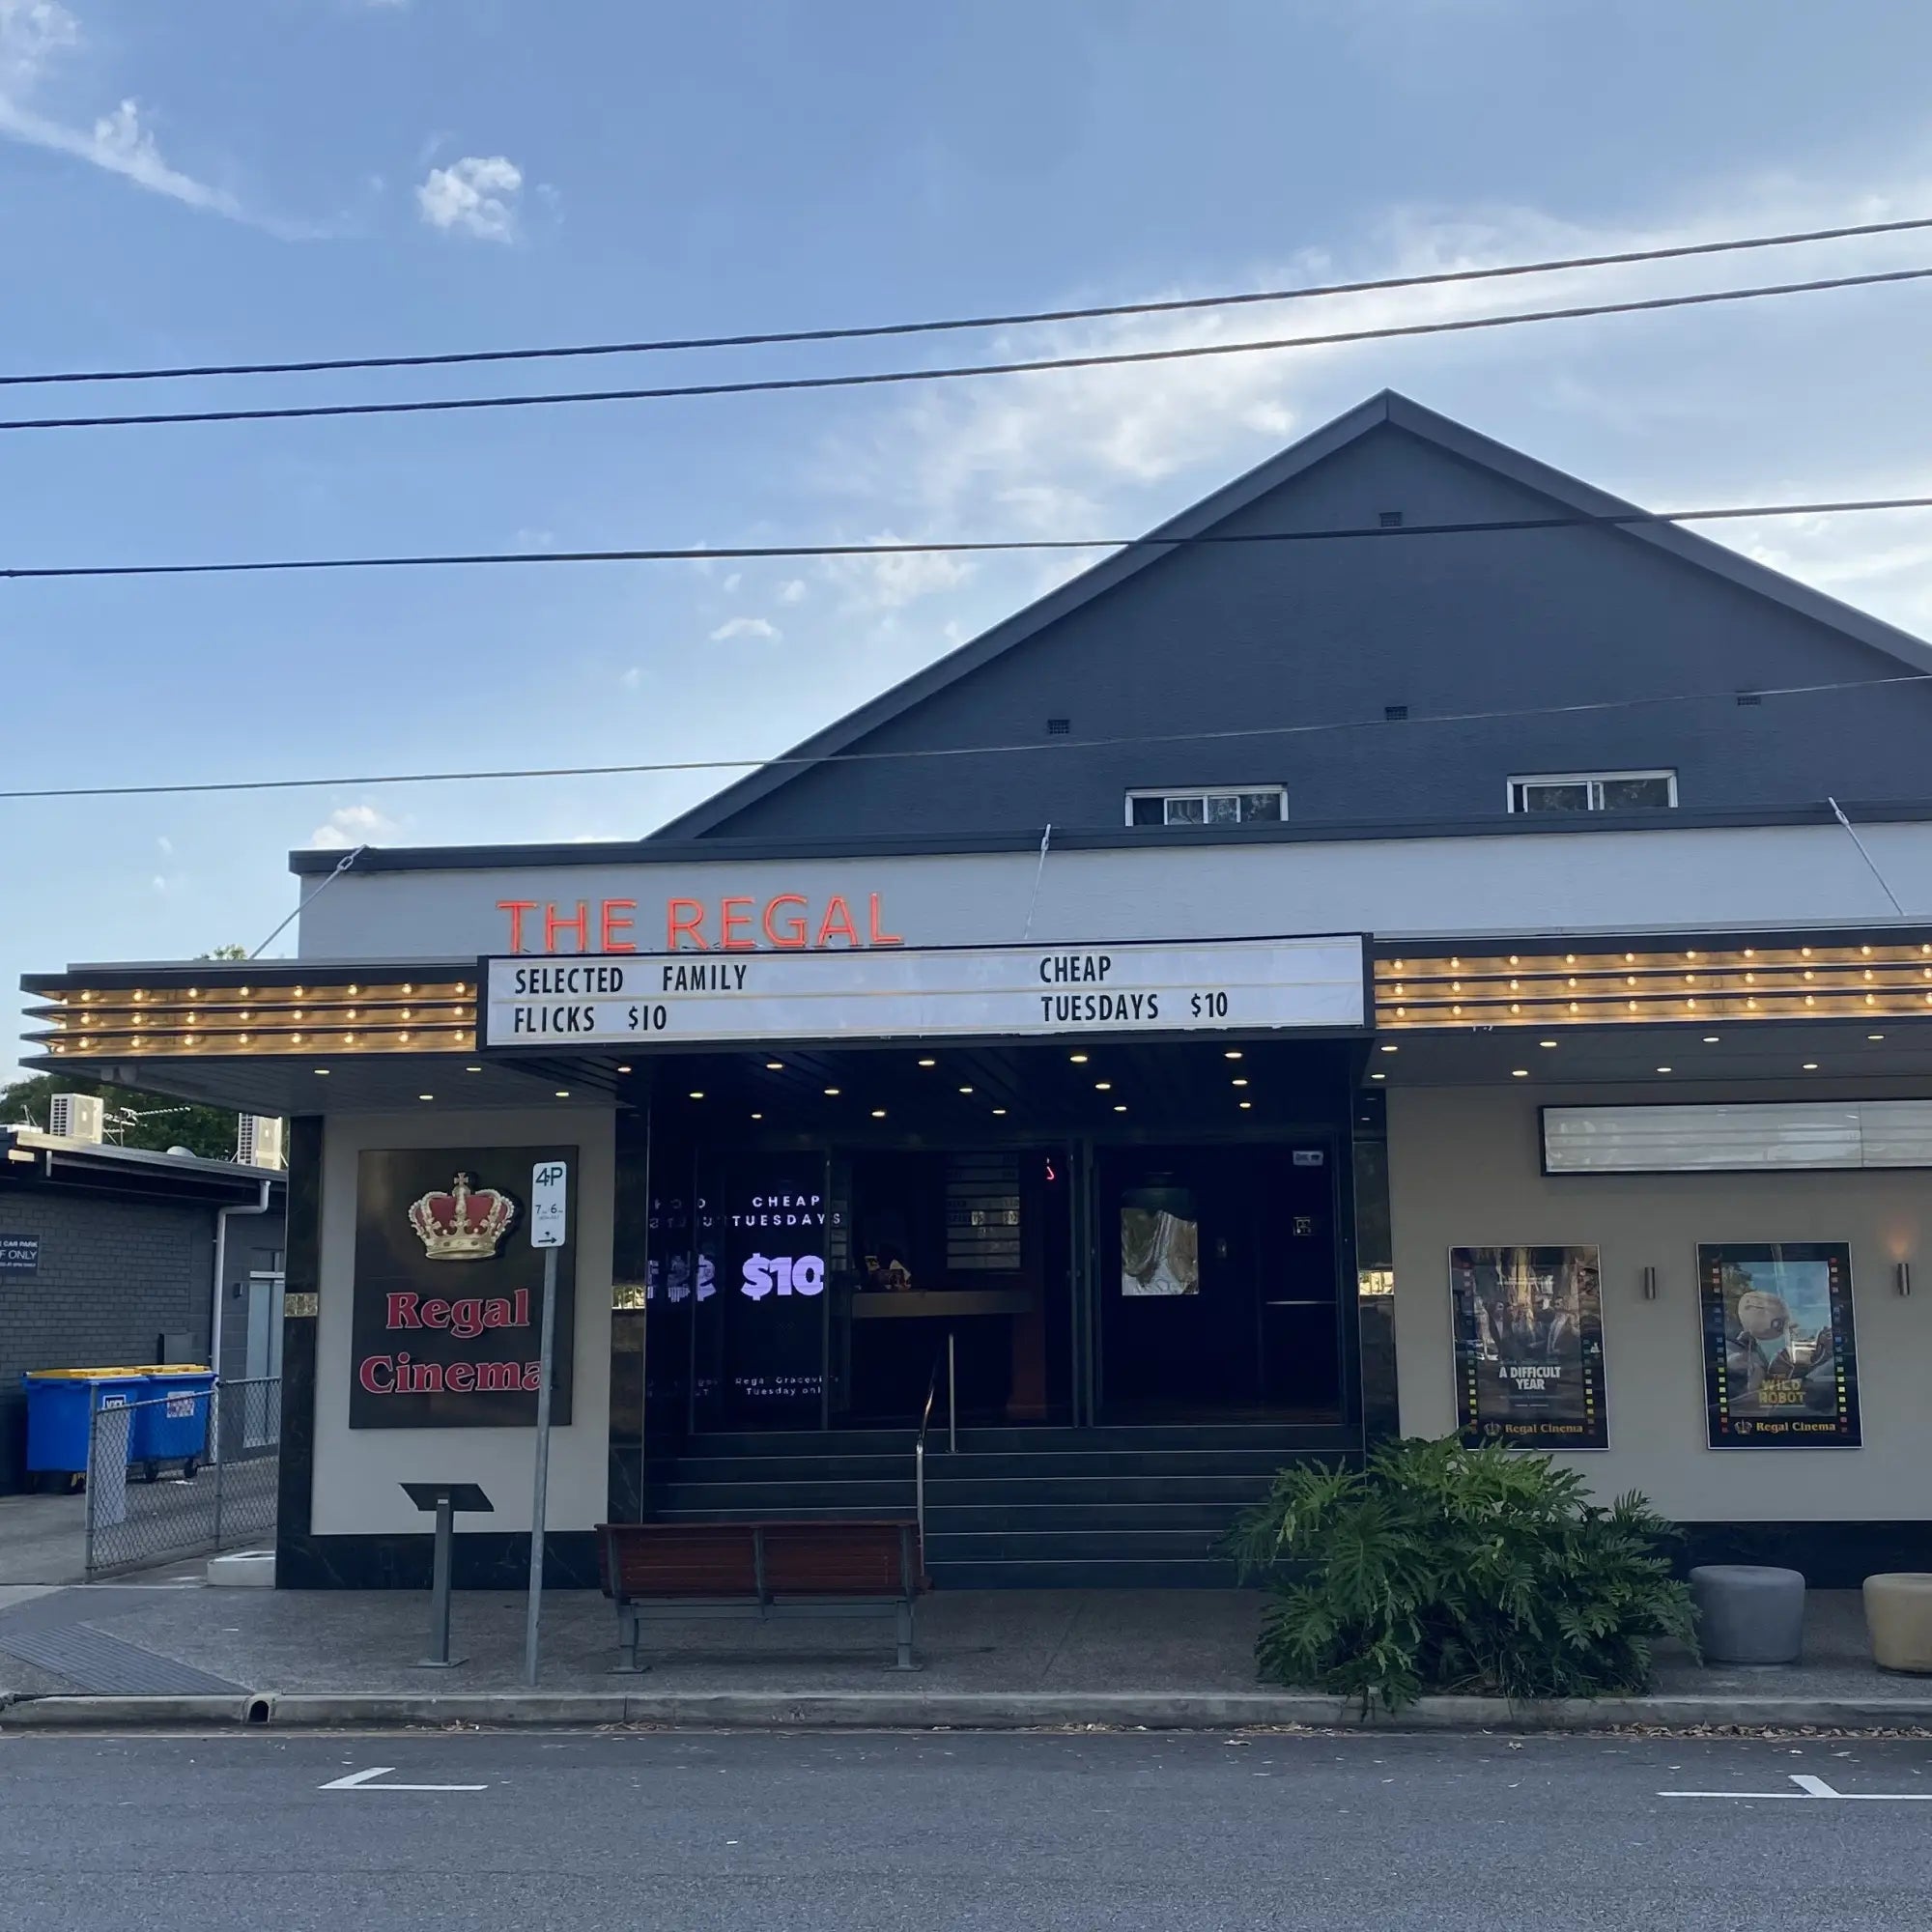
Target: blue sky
[217,179]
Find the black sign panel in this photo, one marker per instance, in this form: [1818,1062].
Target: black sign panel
[19,1254]
[449,1304]
[1780,1364]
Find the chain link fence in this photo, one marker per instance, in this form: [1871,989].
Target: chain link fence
[179,1474]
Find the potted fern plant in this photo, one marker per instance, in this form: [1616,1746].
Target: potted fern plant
[1439,1568]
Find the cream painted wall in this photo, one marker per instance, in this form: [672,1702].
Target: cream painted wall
[1464,1170]
[357,1471]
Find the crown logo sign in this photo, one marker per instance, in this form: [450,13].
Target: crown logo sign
[461,1226]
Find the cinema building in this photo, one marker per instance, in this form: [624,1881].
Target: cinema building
[1361,971]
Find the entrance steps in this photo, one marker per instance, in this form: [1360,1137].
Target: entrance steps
[1014,1507]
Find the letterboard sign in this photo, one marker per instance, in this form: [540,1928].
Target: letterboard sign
[19,1254]
[1149,987]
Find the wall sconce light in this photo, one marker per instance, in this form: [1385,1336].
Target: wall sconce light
[1903,1275]
[1650,1284]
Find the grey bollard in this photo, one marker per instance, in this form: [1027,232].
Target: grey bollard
[1748,1613]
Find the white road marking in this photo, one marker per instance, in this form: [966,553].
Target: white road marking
[365,1780]
[1815,1787]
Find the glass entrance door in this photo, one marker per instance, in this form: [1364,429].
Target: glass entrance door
[1215,1283]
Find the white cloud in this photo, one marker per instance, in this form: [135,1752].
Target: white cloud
[633,677]
[1108,452]
[793,590]
[33,34]
[731,583]
[158,883]
[745,627]
[474,196]
[351,825]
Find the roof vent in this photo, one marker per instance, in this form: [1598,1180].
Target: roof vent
[77,1116]
[1059,727]
[1390,520]
[1394,713]
[1749,698]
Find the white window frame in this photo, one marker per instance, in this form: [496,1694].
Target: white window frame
[1204,793]
[1596,781]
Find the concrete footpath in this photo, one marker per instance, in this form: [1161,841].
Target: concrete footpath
[169,1650]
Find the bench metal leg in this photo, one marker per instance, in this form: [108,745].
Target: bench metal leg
[627,1642]
[904,1623]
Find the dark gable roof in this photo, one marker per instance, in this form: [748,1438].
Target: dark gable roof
[1566,492]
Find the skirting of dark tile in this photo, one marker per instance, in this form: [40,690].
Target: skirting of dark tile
[1830,1555]
[490,1560]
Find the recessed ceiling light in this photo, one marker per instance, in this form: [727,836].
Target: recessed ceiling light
[775,1066]
[1545,1042]
[1810,1067]
[831,1093]
[1120,1110]
[1078,1059]
[999,1110]
[623,1069]
[1233,1053]
[698,1094]
[758,1117]
[1103,1086]
[478,1069]
[323,1070]
[563,1093]
[1664,1069]
[1519,1074]
[928,1062]
[1391,1049]
[1238,1083]
[425,1096]
[878,1112]
[1874,1036]
[1378,1076]
[1247,1103]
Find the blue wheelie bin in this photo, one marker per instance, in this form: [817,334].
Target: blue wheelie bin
[60,1409]
[171,1423]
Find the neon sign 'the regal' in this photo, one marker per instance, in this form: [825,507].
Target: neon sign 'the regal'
[733,922]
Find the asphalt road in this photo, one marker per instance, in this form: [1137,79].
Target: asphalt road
[757,1832]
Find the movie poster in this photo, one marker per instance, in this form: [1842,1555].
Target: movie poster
[1780,1368]
[1160,1242]
[1529,1348]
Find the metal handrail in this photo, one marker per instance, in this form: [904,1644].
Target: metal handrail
[925,1423]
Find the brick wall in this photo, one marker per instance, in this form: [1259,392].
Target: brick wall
[113,1275]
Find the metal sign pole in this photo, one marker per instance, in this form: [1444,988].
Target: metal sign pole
[547,1231]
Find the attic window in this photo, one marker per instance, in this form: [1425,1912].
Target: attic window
[1222,804]
[1593,791]
[1059,727]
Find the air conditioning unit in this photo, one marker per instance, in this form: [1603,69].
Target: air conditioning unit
[77,1116]
[258,1141]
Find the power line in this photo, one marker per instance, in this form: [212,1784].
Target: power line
[963,546]
[1053,747]
[880,378]
[873,331]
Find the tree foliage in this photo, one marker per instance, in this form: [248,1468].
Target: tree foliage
[1437,1568]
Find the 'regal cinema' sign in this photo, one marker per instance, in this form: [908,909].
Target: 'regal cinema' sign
[448,1308]
[727,922]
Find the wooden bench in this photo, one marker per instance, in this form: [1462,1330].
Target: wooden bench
[660,1571]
